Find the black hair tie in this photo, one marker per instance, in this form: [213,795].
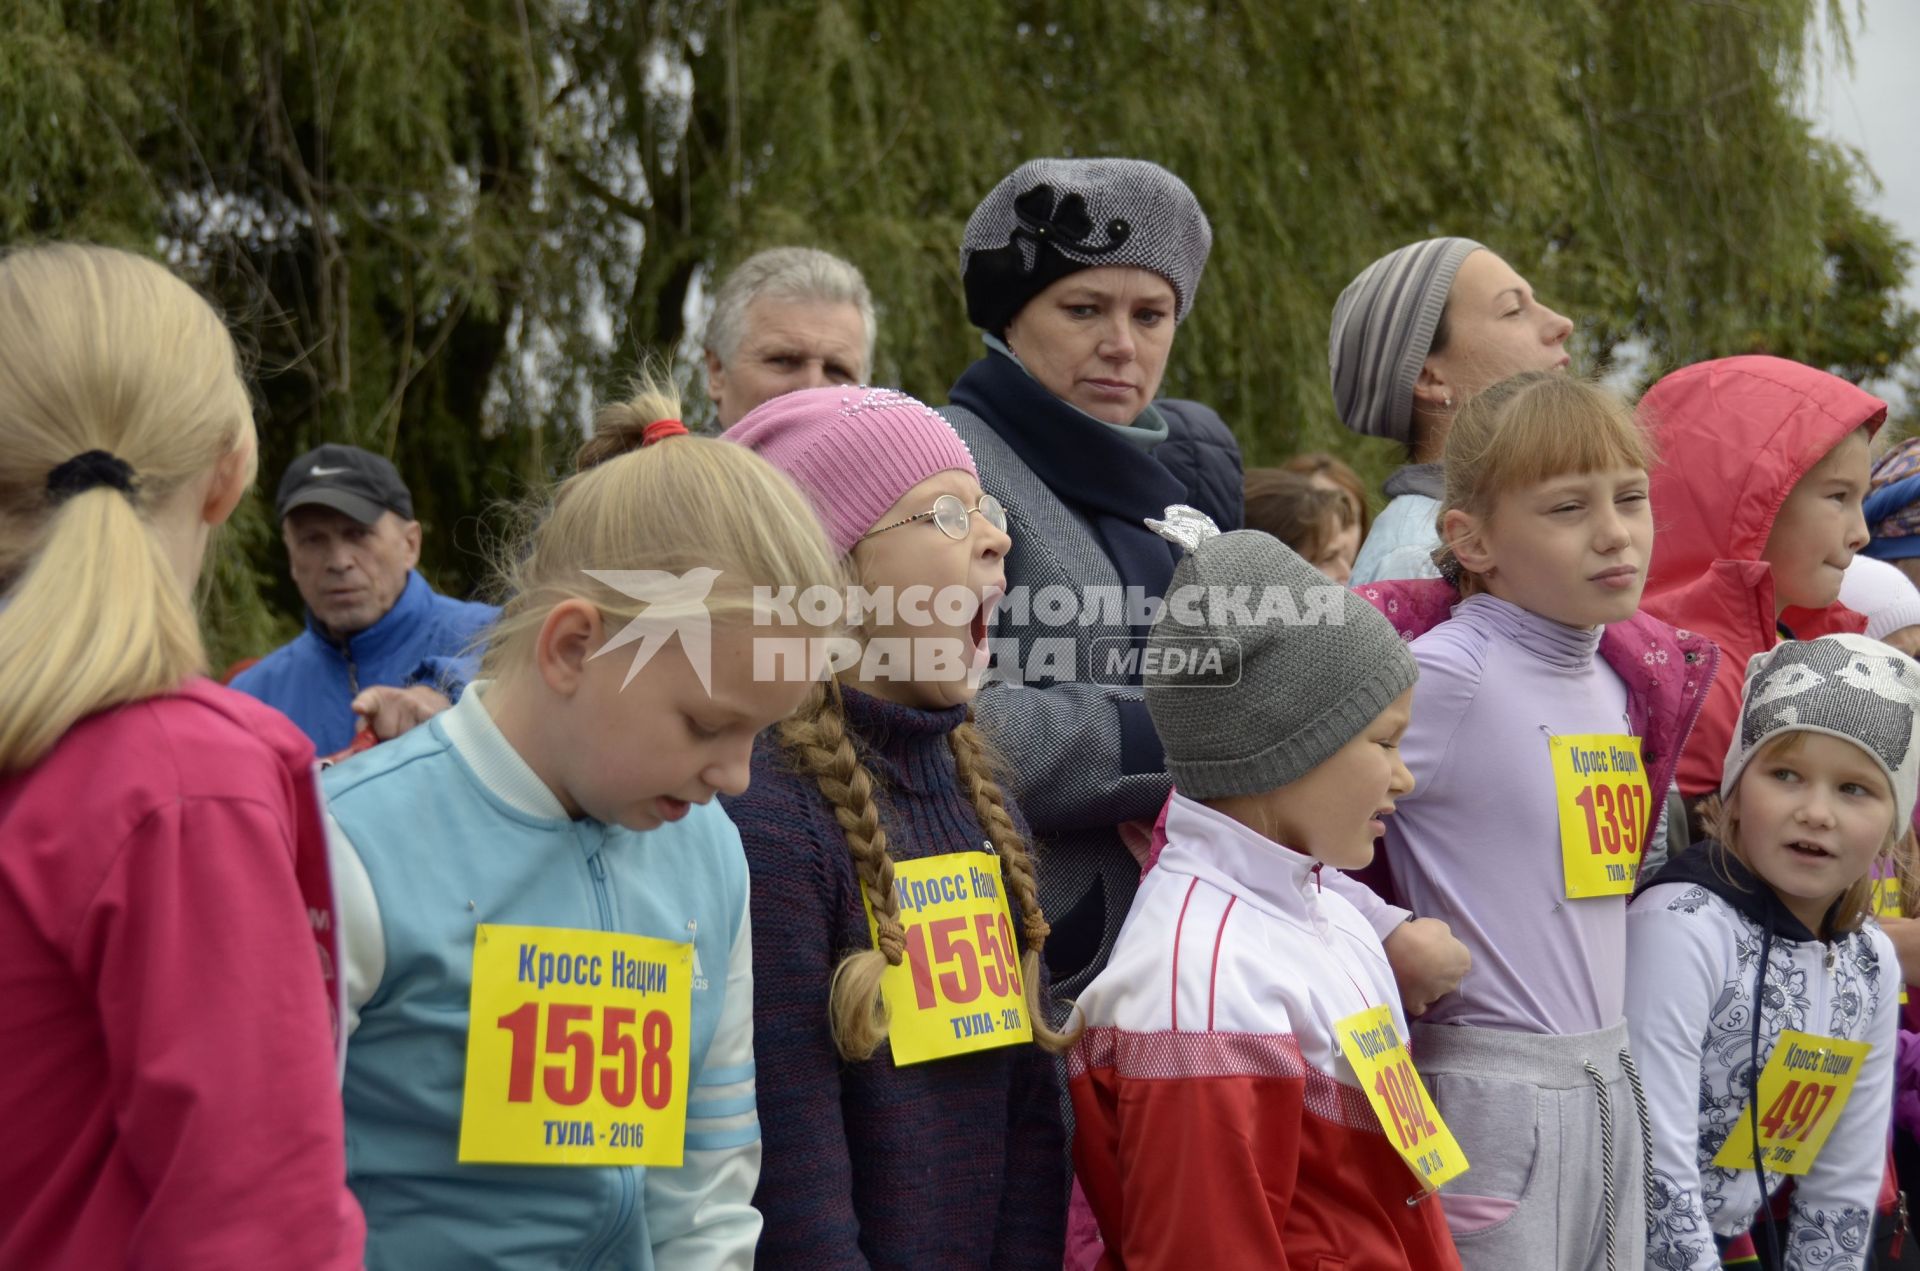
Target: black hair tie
[85,471]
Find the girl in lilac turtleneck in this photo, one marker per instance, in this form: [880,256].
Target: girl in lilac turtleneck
[1546,724]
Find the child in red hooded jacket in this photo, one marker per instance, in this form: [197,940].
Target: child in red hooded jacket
[1757,502]
[171,1086]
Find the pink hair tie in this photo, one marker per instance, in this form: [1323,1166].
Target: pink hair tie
[661,428]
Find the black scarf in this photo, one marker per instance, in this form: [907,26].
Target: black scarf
[1087,465]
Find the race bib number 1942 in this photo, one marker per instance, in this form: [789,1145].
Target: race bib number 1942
[1372,1044]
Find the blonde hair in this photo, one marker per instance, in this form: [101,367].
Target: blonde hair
[680,504]
[101,350]
[1531,428]
[1723,826]
[822,748]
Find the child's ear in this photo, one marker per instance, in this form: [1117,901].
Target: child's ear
[566,640]
[1463,532]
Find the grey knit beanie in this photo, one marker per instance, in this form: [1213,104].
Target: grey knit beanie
[1314,667]
[1845,686]
[1382,331]
[1054,217]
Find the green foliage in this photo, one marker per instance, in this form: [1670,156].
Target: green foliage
[447,226]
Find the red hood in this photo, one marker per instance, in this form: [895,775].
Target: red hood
[1734,436]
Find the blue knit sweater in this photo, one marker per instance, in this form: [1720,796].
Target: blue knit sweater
[957,1163]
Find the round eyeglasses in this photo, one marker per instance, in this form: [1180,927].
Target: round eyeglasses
[951,515]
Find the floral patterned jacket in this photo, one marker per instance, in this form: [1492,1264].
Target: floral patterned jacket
[1694,943]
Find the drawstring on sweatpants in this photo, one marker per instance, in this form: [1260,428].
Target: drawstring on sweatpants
[1607,1200]
[1646,1125]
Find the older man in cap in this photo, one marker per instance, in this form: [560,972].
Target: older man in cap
[378,638]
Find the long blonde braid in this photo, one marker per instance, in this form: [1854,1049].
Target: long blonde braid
[974,762]
[817,738]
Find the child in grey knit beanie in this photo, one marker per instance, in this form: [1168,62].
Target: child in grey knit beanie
[1320,667]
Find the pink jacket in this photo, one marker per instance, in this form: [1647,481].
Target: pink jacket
[171,1091]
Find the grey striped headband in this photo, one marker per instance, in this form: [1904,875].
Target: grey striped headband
[1383,327]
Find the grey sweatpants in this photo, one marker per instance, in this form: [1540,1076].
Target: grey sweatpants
[1554,1131]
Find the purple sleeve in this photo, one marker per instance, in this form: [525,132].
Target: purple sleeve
[806,1174]
[1906,1084]
[1449,679]
[1031,1234]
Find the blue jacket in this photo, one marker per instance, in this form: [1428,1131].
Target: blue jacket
[1403,538]
[312,679]
[445,828]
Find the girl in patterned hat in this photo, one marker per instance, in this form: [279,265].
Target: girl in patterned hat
[1763,1000]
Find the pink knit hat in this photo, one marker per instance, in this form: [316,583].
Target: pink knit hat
[852,451]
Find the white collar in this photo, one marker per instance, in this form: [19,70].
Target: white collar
[494,760]
[1214,846]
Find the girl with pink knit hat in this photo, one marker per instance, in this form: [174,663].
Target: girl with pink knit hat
[901,1022]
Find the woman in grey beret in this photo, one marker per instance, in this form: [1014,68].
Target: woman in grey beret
[1414,335]
[1079,272]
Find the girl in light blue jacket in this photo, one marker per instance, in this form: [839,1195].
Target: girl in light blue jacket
[549,963]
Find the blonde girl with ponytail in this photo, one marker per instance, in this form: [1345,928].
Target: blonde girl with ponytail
[166,940]
[891,1126]
[521,877]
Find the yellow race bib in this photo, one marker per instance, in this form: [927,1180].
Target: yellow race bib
[1372,1045]
[576,1048]
[1605,808]
[1803,1090]
[1886,899]
[958,990]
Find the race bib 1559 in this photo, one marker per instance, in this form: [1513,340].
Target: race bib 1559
[958,989]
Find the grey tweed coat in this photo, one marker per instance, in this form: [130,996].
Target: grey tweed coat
[1074,777]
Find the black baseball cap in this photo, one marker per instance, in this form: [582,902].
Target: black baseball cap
[346,479]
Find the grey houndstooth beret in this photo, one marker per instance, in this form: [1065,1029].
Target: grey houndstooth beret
[1054,217]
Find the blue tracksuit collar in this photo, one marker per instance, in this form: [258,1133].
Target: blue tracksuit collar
[395,627]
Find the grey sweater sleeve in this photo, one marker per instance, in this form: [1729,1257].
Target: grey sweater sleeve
[1082,756]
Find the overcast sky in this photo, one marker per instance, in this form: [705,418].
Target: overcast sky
[1877,109]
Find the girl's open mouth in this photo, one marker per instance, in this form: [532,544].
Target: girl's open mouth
[1812,851]
[983,617]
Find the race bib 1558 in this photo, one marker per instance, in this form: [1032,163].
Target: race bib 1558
[576,1048]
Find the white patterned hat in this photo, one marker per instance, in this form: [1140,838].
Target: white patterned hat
[1845,686]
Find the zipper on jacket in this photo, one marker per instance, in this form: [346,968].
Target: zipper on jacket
[600,893]
[626,1176]
[345,646]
